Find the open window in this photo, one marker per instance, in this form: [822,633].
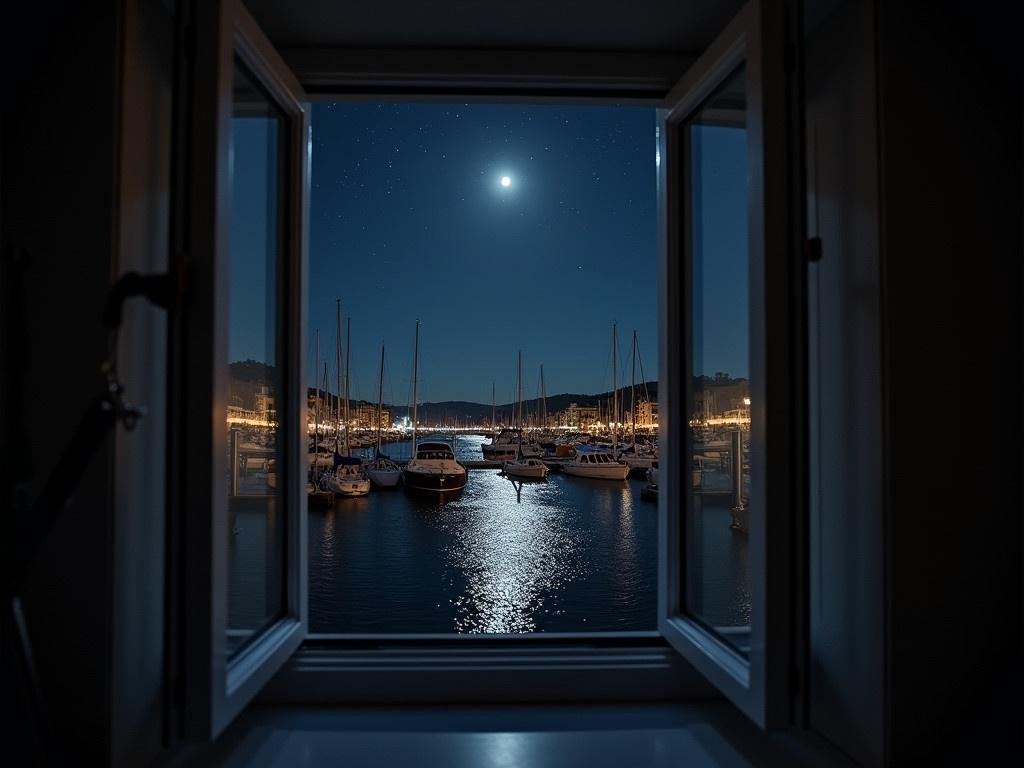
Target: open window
[726,333]
[725,284]
[243,171]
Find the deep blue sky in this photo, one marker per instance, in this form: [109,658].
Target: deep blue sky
[408,219]
[718,170]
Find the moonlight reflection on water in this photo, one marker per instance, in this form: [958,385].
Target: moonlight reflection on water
[504,556]
[515,549]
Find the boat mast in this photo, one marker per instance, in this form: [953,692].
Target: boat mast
[519,400]
[327,383]
[543,401]
[337,338]
[348,364]
[615,402]
[493,426]
[380,397]
[415,366]
[632,397]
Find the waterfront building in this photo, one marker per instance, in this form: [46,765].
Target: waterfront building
[578,416]
[647,413]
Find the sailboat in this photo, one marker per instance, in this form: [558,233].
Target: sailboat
[639,461]
[532,468]
[433,467]
[504,442]
[382,470]
[317,497]
[348,478]
[597,462]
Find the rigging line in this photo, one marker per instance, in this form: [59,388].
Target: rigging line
[643,376]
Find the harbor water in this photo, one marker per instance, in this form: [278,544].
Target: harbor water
[562,555]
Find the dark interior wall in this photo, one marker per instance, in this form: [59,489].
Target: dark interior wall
[846,622]
[59,190]
[144,196]
[950,140]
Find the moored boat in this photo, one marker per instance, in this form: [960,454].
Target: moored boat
[433,468]
[532,469]
[523,465]
[505,445]
[595,463]
[348,478]
[382,471]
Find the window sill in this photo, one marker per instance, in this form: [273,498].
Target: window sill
[486,670]
[704,734]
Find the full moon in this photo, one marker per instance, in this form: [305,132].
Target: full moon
[506,181]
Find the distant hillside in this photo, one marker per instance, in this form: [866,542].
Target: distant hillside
[444,412]
[245,377]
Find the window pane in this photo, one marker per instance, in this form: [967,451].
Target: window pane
[255,496]
[717,588]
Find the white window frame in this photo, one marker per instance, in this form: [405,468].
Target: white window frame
[761,683]
[215,688]
[589,666]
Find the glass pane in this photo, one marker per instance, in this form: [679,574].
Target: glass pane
[717,585]
[257,531]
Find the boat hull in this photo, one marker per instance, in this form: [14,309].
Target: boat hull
[498,452]
[351,487]
[598,472]
[385,478]
[529,471]
[434,482]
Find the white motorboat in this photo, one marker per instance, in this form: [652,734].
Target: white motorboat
[505,445]
[433,467]
[533,469]
[595,463]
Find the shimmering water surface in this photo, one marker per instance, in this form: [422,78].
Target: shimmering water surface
[562,555]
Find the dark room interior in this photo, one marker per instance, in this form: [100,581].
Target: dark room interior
[883,206]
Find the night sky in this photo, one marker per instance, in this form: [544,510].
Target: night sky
[409,219]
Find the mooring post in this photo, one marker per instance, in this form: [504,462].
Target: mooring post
[234,462]
[739,510]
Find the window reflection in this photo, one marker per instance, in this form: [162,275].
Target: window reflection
[717,588]
[256,482]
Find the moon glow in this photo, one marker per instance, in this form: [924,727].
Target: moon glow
[506,181]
